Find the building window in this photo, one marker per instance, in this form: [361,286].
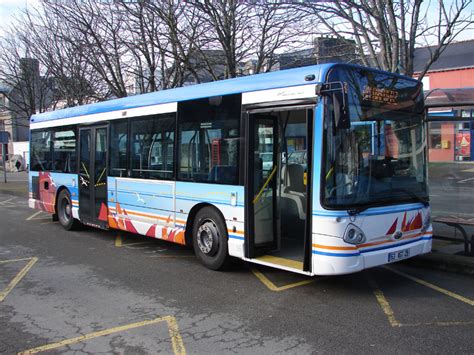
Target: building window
[434,135]
[209,135]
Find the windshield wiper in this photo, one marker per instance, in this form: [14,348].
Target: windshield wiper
[414,196]
[354,211]
[358,209]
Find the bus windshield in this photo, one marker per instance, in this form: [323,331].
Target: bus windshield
[381,158]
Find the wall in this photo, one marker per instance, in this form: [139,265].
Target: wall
[458,78]
[22,148]
[444,154]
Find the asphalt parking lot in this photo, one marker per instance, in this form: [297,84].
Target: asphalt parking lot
[451,187]
[92,291]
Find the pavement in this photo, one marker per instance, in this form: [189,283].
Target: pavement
[17,183]
[92,291]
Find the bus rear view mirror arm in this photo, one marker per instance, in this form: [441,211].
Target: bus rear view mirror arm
[338,93]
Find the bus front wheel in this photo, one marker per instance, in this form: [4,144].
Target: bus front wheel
[65,211]
[210,239]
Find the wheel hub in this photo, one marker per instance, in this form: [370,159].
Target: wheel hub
[208,238]
[66,210]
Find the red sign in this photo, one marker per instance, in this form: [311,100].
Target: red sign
[463,144]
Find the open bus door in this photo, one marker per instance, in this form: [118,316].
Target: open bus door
[93,142]
[278,193]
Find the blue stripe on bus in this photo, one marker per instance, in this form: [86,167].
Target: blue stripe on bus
[179,198]
[208,200]
[236,237]
[368,213]
[348,255]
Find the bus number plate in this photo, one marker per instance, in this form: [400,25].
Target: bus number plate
[398,255]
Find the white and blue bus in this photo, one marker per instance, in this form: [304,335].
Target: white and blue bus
[319,170]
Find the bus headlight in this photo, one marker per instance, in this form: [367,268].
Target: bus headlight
[354,235]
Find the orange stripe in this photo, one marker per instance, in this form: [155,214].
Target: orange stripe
[368,244]
[333,248]
[140,214]
[166,219]
[391,241]
[236,232]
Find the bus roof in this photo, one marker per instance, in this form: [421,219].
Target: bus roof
[265,81]
[271,80]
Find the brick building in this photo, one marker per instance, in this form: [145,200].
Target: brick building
[451,128]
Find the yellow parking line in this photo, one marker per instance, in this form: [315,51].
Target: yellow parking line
[17,278]
[171,256]
[433,287]
[176,340]
[118,241]
[383,303]
[439,324]
[13,260]
[272,287]
[132,245]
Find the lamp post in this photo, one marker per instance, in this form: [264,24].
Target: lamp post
[4,136]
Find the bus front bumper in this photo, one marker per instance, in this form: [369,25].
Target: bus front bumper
[337,263]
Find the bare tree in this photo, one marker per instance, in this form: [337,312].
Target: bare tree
[74,79]
[277,27]
[30,91]
[97,28]
[226,32]
[162,37]
[388,31]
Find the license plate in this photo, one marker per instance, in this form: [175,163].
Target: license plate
[398,255]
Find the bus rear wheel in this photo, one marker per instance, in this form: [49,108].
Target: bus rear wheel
[210,239]
[65,211]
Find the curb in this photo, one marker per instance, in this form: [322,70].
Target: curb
[445,262]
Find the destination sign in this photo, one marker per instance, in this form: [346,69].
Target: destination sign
[384,96]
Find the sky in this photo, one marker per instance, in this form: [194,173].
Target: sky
[11,8]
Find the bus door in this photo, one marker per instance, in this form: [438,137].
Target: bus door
[278,230]
[262,187]
[93,175]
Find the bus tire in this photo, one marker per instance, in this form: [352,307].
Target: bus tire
[210,239]
[65,211]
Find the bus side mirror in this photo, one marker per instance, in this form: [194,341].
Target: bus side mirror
[341,114]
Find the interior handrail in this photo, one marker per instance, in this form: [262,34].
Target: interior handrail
[255,200]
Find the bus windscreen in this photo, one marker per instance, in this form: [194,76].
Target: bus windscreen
[380,159]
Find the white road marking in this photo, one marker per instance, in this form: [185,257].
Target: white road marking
[33,215]
[463,181]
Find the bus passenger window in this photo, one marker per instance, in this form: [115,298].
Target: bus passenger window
[119,144]
[209,139]
[64,150]
[152,146]
[40,157]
